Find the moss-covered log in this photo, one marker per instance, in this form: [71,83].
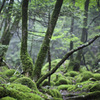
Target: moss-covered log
[46,42]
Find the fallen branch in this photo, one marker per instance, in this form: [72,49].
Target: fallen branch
[40,80]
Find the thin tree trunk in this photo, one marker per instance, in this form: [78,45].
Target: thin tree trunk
[84,30]
[44,48]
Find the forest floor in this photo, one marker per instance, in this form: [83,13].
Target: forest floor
[72,85]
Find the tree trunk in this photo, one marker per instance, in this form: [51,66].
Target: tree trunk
[5,38]
[44,48]
[84,31]
[27,63]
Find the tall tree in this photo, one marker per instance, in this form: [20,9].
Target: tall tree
[44,48]
[25,58]
[84,31]
[7,25]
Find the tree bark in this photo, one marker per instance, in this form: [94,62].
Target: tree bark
[64,58]
[44,48]
[27,62]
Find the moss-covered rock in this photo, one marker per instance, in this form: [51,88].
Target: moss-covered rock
[26,81]
[64,87]
[61,81]
[7,98]
[53,92]
[95,87]
[9,72]
[84,76]
[18,92]
[97,76]
[71,73]
[19,87]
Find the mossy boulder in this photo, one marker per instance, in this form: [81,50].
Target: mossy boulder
[84,76]
[53,92]
[45,83]
[7,98]
[26,81]
[71,73]
[61,81]
[97,76]
[64,87]
[19,87]
[19,92]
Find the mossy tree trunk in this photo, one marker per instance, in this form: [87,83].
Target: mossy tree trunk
[27,62]
[5,39]
[84,31]
[44,48]
[70,66]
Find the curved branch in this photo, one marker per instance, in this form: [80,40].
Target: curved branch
[64,58]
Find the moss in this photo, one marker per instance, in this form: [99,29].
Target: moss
[3,75]
[57,98]
[64,87]
[72,73]
[13,78]
[46,66]
[9,72]
[97,76]
[84,76]
[45,82]
[19,93]
[2,81]
[3,68]
[71,88]
[19,87]
[73,65]
[95,87]
[26,81]
[61,81]
[55,77]
[27,64]
[53,92]
[7,98]
[64,80]
[84,86]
